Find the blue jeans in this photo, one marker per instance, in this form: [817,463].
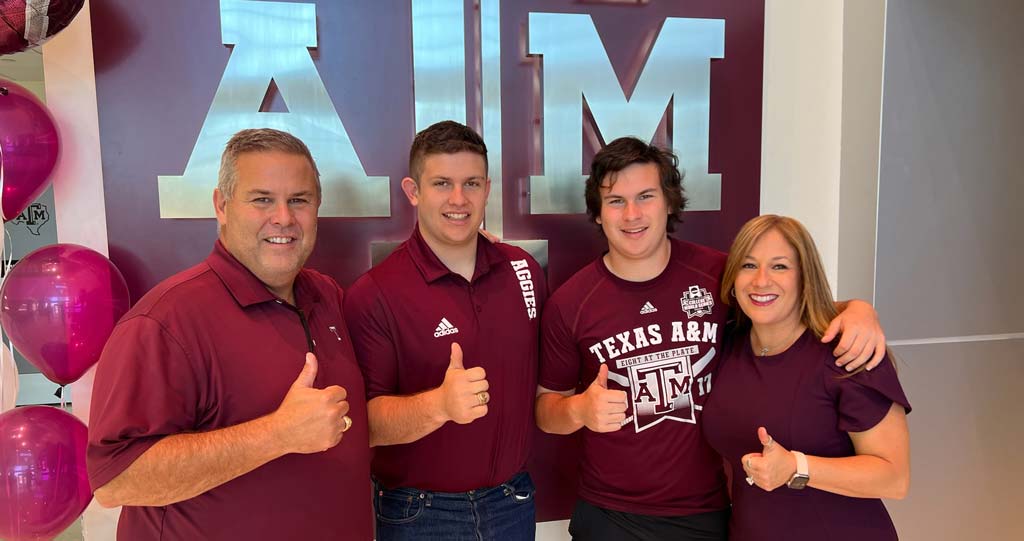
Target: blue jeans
[501,513]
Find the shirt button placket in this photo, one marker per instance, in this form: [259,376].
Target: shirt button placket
[472,299]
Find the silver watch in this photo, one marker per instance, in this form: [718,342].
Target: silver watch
[801,477]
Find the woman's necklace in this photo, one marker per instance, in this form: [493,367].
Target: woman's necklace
[790,338]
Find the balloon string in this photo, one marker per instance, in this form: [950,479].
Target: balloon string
[6,255]
[5,259]
[2,217]
[6,262]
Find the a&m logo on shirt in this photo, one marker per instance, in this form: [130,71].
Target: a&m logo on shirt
[661,388]
[697,302]
[661,385]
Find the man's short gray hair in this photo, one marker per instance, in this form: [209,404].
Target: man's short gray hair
[258,140]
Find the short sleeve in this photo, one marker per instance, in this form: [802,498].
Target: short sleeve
[559,359]
[865,398]
[367,318]
[146,387]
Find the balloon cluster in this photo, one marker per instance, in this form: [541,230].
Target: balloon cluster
[58,305]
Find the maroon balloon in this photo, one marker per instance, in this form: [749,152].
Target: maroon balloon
[59,305]
[16,30]
[28,147]
[43,482]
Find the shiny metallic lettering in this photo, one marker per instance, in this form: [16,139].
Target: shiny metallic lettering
[439,61]
[271,41]
[575,66]
[490,85]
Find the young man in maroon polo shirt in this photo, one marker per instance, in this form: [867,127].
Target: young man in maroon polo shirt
[638,331]
[446,331]
[222,398]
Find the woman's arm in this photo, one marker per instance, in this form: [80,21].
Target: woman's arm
[880,469]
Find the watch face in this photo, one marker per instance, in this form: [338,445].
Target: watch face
[798,481]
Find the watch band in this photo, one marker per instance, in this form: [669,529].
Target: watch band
[801,463]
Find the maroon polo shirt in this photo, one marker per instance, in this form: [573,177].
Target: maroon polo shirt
[209,348]
[660,340]
[405,313]
[807,404]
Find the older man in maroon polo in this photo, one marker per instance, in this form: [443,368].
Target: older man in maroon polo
[221,398]
[446,331]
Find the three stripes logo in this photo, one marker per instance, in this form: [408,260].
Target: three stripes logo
[648,308]
[444,328]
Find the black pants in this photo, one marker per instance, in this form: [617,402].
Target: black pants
[592,523]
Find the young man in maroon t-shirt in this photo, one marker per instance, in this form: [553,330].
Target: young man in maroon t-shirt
[446,332]
[629,351]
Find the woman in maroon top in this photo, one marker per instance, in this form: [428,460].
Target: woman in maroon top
[812,447]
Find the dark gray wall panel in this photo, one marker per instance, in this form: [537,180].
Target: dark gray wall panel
[950,189]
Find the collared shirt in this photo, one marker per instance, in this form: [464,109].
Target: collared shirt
[210,348]
[660,340]
[405,313]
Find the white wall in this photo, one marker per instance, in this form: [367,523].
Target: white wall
[78,185]
[802,118]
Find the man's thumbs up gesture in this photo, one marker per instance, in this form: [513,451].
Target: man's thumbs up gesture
[772,467]
[603,410]
[464,391]
[311,420]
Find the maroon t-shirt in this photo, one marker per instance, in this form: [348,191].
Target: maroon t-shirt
[210,348]
[660,341]
[804,401]
[405,313]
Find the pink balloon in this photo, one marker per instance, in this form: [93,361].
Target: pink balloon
[29,146]
[43,481]
[59,305]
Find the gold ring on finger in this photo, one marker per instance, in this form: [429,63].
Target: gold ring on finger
[483,397]
[348,423]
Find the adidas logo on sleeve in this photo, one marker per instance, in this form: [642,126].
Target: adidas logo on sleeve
[444,328]
[648,308]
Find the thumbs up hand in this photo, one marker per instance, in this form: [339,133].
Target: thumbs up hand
[602,410]
[464,391]
[772,467]
[311,420]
